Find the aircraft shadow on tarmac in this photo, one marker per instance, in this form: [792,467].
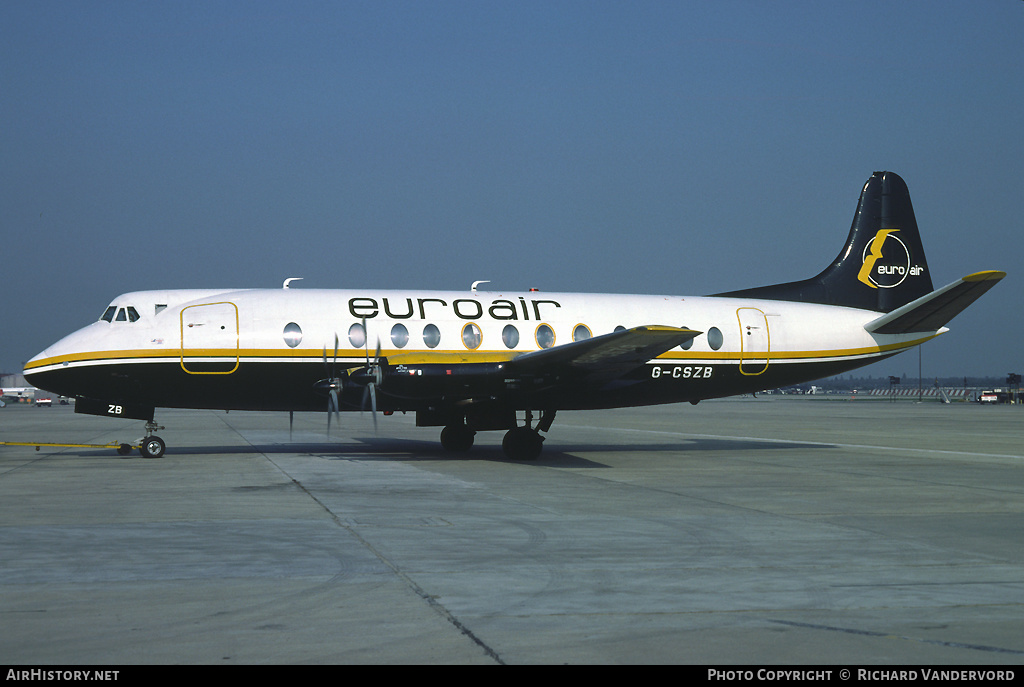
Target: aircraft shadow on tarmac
[390,448]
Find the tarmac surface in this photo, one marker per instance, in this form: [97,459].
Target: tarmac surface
[744,531]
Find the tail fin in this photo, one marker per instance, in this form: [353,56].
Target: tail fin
[882,266]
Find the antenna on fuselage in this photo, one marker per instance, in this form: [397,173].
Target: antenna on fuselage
[477,283]
[288,281]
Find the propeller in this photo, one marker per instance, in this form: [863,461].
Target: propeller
[371,388]
[332,385]
[370,377]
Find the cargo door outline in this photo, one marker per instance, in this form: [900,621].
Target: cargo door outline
[209,338]
[755,341]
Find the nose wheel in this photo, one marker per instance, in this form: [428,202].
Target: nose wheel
[152,446]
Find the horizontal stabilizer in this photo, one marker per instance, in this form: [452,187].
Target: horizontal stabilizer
[932,311]
[620,351]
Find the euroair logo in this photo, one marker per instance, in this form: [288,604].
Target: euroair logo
[887,261]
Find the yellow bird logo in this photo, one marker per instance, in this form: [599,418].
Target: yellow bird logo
[873,256]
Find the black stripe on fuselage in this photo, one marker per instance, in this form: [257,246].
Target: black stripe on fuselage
[280,385]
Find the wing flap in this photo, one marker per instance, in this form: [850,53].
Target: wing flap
[932,311]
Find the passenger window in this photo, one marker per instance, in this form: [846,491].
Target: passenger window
[715,338]
[133,314]
[292,334]
[431,336]
[108,314]
[689,344]
[581,332]
[472,337]
[545,336]
[357,335]
[399,335]
[510,336]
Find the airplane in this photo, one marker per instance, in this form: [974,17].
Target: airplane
[16,393]
[471,361]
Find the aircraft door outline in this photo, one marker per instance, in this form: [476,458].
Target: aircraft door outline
[209,338]
[755,341]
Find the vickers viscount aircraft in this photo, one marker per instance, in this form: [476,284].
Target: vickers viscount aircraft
[474,360]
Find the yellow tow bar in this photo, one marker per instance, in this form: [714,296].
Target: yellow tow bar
[123,449]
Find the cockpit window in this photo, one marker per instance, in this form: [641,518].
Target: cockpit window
[115,314]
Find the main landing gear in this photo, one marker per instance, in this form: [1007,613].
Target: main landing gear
[457,438]
[520,443]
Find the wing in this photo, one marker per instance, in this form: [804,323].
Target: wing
[607,356]
[528,379]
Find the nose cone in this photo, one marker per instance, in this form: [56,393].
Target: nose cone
[36,360]
[43,369]
[53,369]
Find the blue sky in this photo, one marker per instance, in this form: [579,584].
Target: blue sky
[641,147]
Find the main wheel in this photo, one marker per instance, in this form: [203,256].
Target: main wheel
[457,438]
[152,447]
[522,443]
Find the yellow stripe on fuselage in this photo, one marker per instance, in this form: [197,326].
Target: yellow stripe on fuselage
[355,358]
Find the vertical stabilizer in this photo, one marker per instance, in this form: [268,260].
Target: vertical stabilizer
[882,265]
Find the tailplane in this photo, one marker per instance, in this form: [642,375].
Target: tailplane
[931,312]
[882,266]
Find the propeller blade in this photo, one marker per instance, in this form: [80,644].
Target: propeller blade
[370,402]
[332,384]
[373,404]
[372,376]
[330,410]
[366,342]
[333,406]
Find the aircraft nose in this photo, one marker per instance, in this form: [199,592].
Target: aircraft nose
[69,367]
[33,368]
[49,369]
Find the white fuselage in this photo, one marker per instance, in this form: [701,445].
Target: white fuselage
[203,340]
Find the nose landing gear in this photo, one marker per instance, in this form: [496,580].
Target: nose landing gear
[151,446]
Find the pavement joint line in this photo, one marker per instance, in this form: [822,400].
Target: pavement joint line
[412,584]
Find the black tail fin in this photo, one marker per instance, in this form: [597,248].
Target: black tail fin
[881,267]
